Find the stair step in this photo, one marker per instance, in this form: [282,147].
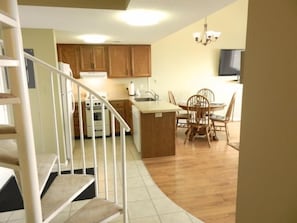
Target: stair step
[7,98]
[7,21]
[62,191]
[7,132]
[9,154]
[96,210]
[8,62]
[45,164]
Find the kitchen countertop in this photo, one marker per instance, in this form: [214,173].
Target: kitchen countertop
[154,106]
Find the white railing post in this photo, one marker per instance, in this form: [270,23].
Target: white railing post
[115,173]
[104,151]
[124,173]
[55,123]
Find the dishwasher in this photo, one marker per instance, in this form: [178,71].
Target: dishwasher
[136,128]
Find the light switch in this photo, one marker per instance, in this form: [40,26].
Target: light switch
[158,115]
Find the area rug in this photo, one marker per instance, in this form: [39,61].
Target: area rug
[11,198]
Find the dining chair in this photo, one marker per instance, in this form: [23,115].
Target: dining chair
[180,115]
[220,123]
[208,93]
[198,121]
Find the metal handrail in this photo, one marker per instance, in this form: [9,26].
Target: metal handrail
[114,116]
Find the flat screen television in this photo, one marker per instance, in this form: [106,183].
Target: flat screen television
[230,60]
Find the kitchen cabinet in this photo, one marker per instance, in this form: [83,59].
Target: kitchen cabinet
[141,60]
[129,61]
[76,120]
[157,134]
[92,58]
[70,53]
[123,107]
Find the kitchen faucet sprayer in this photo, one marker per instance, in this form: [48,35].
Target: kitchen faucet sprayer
[154,94]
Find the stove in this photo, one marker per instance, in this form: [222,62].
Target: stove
[97,116]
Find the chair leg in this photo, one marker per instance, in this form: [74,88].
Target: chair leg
[214,137]
[208,132]
[227,133]
[187,133]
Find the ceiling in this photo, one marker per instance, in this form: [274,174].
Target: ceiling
[69,23]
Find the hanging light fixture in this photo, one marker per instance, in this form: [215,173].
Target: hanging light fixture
[207,36]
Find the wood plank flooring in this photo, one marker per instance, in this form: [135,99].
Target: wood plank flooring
[201,180]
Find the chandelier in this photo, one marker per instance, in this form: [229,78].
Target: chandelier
[207,36]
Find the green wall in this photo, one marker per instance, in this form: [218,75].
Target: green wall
[42,41]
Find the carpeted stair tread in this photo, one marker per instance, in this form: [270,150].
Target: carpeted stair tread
[45,164]
[7,98]
[96,210]
[62,191]
[9,154]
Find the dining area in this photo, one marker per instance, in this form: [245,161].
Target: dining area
[202,116]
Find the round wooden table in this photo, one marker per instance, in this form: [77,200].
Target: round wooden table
[213,106]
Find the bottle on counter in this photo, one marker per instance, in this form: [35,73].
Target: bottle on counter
[131,89]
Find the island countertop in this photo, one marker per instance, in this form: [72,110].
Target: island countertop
[155,106]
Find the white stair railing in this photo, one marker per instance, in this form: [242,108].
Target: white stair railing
[56,74]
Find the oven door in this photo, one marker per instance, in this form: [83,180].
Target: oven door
[98,124]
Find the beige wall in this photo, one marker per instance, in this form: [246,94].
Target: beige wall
[183,66]
[267,183]
[42,41]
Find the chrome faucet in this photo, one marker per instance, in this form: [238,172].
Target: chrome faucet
[154,94]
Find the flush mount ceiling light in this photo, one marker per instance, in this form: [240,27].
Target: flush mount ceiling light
[93,38]
[207,36]
[139,17]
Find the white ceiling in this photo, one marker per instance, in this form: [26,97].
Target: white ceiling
[69,23]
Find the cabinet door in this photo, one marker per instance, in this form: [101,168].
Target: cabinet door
[76,120]
[119,64]
[120,107]
[69,53]
[141,60]
[128,111]
[92,58]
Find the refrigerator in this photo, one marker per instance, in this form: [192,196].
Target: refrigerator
[68,106]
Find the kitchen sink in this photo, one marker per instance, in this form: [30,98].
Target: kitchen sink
[144,99]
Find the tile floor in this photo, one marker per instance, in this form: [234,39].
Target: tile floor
[146,202]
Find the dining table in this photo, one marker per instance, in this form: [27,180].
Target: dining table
[213,106]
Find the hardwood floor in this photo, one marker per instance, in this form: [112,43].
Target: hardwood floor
[201,180]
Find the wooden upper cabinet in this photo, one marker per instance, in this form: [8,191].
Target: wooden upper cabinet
[92,58]
[141,61]
[69,53]
[119,61]
[129,61]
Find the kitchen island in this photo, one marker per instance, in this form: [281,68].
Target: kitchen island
[154,128]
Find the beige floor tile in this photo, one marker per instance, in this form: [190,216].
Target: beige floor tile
[151,219]
[4,216]
[155,192]
[16,215]
[135,182]
[137,194]
[148,181]
[176,218]
[138,209]
[165,206]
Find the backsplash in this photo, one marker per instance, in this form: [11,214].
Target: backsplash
[115,88]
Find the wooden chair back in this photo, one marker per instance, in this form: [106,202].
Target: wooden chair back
[208,93]
[197,110]
[171,98]
[230,108]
